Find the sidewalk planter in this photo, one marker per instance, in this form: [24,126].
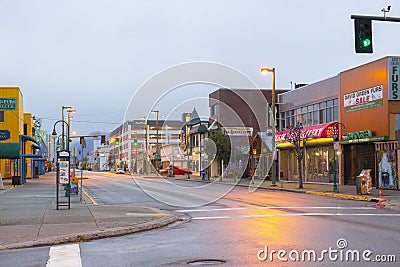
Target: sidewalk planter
[16,180]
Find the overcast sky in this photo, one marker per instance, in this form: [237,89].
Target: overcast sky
[93,55]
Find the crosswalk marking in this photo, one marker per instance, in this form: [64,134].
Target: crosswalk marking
[65,255]
[289,207]
[293,214]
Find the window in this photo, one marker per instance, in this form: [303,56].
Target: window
[1,116]
[214,110]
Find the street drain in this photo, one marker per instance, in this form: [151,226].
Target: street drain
[206,262]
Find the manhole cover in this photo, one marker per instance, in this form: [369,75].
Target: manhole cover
[206,262]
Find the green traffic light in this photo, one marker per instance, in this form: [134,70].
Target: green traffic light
[366,42]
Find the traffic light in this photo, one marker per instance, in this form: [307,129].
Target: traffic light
[135,143]
[363,35]
[117,141]
[103,139]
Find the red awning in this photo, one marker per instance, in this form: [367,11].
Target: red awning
[326,130]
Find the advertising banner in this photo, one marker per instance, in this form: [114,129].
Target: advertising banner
[364,99]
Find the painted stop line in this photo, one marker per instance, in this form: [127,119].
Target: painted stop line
[65,255]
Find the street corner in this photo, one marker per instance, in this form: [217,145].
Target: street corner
[345,196]
[388,204]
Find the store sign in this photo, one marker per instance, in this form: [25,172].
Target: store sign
[4,135]
[360,135]
[238,131]
[312,132]
[394,84]
[8,103]
[364,99]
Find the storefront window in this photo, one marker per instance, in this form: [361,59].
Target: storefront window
[320,164]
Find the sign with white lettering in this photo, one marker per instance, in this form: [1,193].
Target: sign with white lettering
[8,103]
[393,70]
[364,99]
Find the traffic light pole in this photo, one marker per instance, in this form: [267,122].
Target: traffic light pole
[390,19]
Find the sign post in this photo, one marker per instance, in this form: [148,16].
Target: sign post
[63,177]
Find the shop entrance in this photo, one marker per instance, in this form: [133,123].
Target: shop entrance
[356,158]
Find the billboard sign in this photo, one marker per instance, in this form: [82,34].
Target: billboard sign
[364,99]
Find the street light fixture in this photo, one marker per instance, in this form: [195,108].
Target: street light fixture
[54,133]
[266,71]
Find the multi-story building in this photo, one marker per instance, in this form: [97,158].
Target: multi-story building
[137,144]
[316,108]
[245,117]
[363,102]
[18,148]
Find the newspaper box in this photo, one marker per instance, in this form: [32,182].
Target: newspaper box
[364,182]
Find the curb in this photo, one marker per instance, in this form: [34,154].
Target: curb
[310,192]
[97,234]
[344,196]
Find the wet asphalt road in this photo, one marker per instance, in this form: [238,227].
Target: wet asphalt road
[235,227]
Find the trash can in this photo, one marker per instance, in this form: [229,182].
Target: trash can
[16,180]
[203,174]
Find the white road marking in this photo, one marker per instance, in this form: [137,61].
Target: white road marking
[65,255]
[292,214]
[229,209]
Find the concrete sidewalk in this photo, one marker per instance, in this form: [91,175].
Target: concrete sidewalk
[390,198]
[28,216]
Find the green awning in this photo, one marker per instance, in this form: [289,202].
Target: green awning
[10,150]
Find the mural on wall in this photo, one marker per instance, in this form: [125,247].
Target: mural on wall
[387,169]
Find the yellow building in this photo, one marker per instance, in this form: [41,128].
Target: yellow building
[28,130]
[14,123]
[11,126]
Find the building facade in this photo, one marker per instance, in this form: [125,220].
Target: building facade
[361,108]
[18,145]
[136,145]
[244,115]
[316,108]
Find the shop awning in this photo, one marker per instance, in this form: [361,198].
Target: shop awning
[321,133]
[10,150]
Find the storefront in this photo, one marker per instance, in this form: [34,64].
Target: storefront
[371,110]
[318,164]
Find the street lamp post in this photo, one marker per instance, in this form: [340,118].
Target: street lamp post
[273,173]
[157,155]
[54,134]
[63,119]
[336,138]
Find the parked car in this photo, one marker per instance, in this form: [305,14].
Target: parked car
[177,170]
[120,171]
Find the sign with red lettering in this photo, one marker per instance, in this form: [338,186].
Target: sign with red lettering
[326,130]
[364,99]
